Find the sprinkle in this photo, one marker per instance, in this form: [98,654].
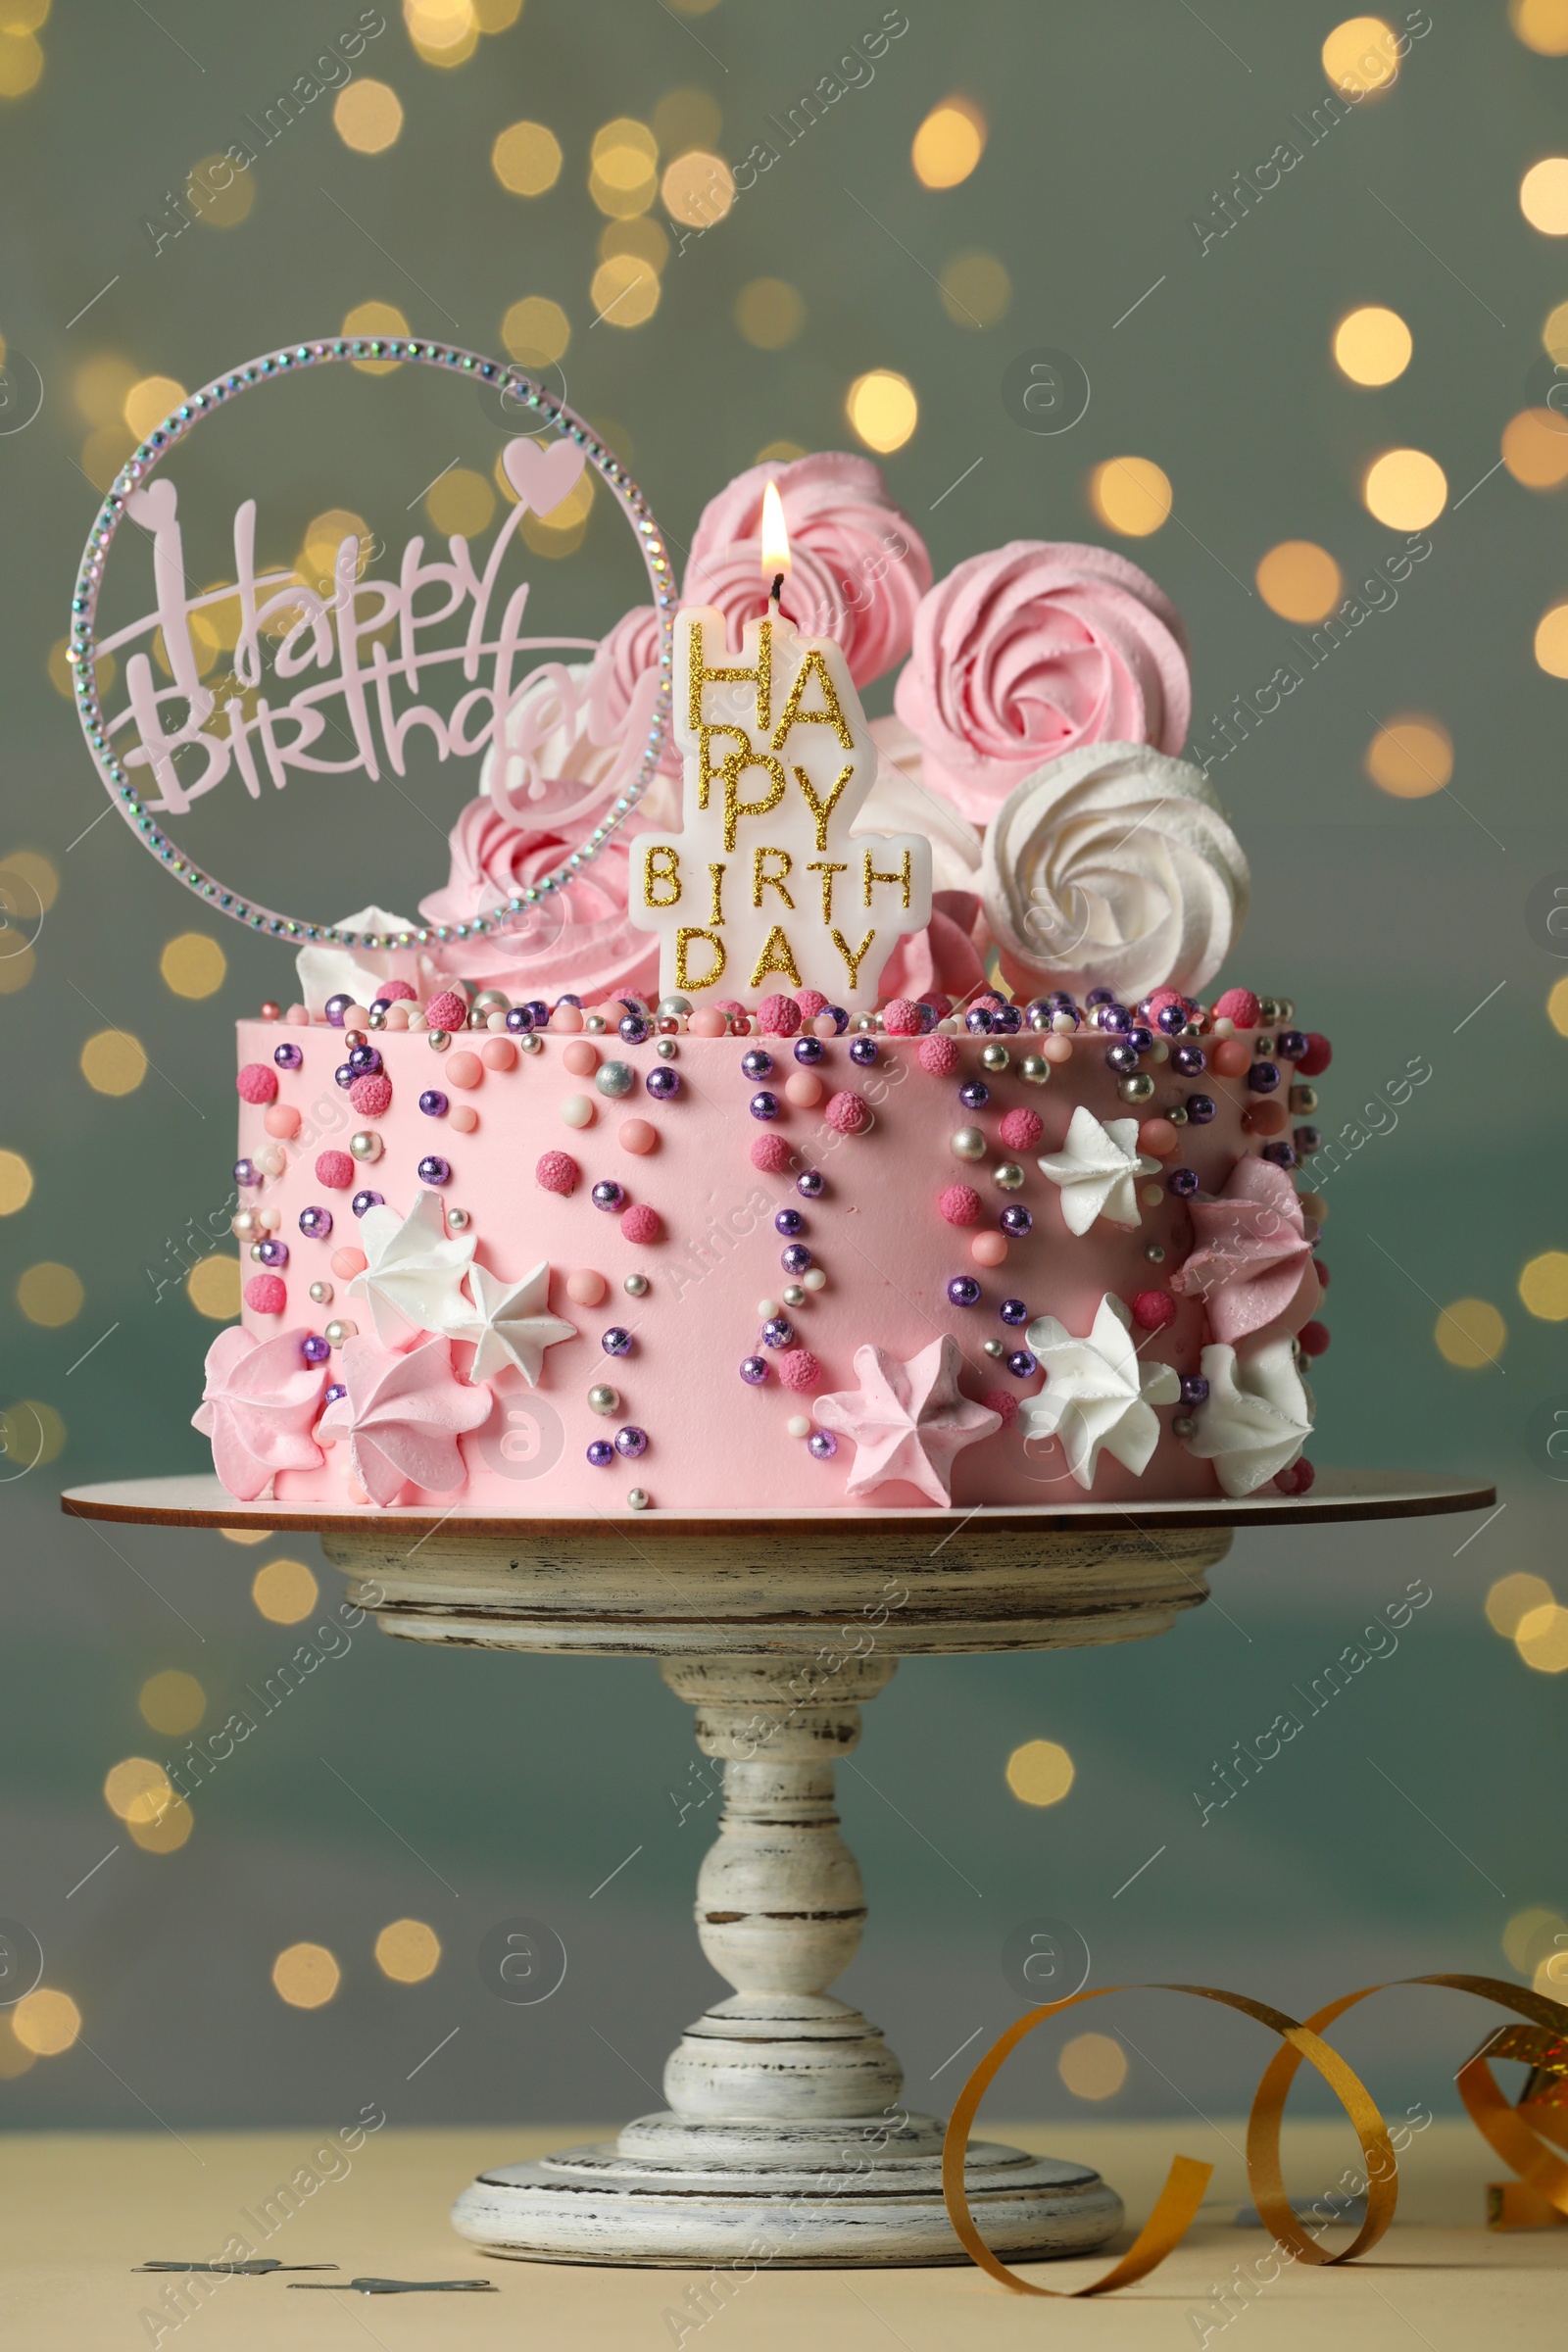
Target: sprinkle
[397,992]
[989,1249]
[466,1070]
[578,1110]
[580,1059]
[812,1001]
[1002,1402]
[641,1224]
[798,1370]
[847,1112]
[346,1263]
[448,1011]
[257,1082]
[778,1016]
[335,1170]
[498,1054]
[585,1288]
[371,1096]
[1153,1309]
[637,1136]
[1238,1004]
[282,1119]
[961,1204]
[555,1173]
[901,1018]
[938,1056]
[266,1294]
[1022,1129]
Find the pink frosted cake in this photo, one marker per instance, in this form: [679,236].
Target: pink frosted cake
[855,1133]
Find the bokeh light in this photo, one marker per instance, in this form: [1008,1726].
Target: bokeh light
[1410,757]
[536,331]
[219,193]
[1542,1639]
[213,1287]
[698,189]
[1531,1935]
[1372,345]
[193,965]
[1542,25]
[374,318]
[1557,1006]
[136,1788]
[1362,55]
[1543,1286]
[245,1534]
[1554,332]
[1093,2066]
[1039,1772]
[368,116]
[769,312]
[15,2059]
[46,2021]
[16,1182]
[21,63]
[623,173]
[1405,489]
[882,407]
[461,504]
[149,402]
[686,117]
[526,158]
[283,1590]
[1131,495]
[1551,642]
[624,291]
[642,235]
[306,1975]
[50,1295]
[444,32]
[325,533]
[165,1831]
[1543,196]
[949,143]
[114,1063]
[31,1434]
[780,453]
[1511,1599]
[1535,448]
[100,385]
[976,290]
[1470,1334]
[1298,580]
[171,1701]
[561,532]
[408,1951]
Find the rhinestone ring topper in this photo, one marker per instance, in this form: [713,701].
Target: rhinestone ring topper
[328,666]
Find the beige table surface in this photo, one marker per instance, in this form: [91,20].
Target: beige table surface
[76,2210]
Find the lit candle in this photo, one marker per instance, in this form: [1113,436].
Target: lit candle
[766,890]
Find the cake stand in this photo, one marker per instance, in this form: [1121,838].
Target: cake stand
[786,2142]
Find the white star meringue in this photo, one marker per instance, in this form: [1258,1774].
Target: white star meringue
[511,1324]
[412,1281]
[1098,1396]
[1257,1417]
[1099,1171]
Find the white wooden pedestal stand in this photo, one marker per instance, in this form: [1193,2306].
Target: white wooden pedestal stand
[786,2143]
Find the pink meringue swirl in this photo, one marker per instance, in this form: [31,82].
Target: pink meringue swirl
[403,1415]
[1031,649]
[858,566]
[1253,1264]
[259,1405]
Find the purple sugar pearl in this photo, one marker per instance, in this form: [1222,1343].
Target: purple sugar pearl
[633,1028]
[1021,1364]
[1114,1017]
[541,1010]
[345,1074]
[1195,1390]
[1122,1058]
[433,1169]
[1140,1039]
[789,1222]
[1282,1153]
[1100,996]
[336,1009]
[1200,1110]
[839,1019]
[1306,1140]
[664,1083]
[753,1368]
[1187,1061]
[273,1253]
[964,1290]
[365,1060]
[434,1103]
[363,1200]
[315,1349]
[600,1453]
[756,1064]
[863,1050]
[245,1174]
[821,1444]
[316,1223]
[617,1341]
[1292,1043]
[1170,1018]
[609,1195]
[1264,1077]
[977,1020]
[976,1095]
[764,1106]
[519,1020]
[1005,1020]
[810,1184]
[1017,1220]
[1183,1182]
[288,1058]
[809,1048]
[1013,1310]
[795,1259]
[777,1331]
[632,1440]
[332,1391]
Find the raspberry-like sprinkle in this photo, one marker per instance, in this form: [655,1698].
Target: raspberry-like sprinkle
[771,1155]
[901,1018]
[257,1082]
[778,1016]
[448,1011]
[266,1294]
[938,1056]
[558,1172]
[1238,1004]
[847,1112]
[641,1224]
[1022,1129]
[961,1205]
[798,1370]
[370,1096]
[335,1170]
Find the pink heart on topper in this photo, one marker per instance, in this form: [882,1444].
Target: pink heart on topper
[543,478]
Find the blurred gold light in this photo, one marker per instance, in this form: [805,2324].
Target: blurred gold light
[28,883]
[136,1788]
[698,189]
[686,117]
[1543,1286]
[1130,495]
[883,409]
[1039,1772]
[23,16]
[46,2021]
[62,677]
[1093,2066]
[445,33]
[975,289]
[306,1975]
[536,331]
[642,237]
[1531,1933]
[769,312]
[496,16]
[1554,333]
[1510,1602]
[285,1591]
[1535,448]
[1298,580]
[368,116]
[370,319]
[104,452]
[113,1062]
[623,173]
[624,291]
[193,965]
[50,1295]
[1410,757]
[1557,1006]
[461,504]
[325,533]
[218,193]
[1542,25]
[16,1182]
[213,1287]
[1372,345]
[171,1701]
[244,1535]
[149,402]
[32,1433]
[1405,489]
[165,1831]
[1543,196]
[949,143]
[526,158]
[15,2059]
[1361,56]
[408,1951]
[1551,642]
[100,385]
[561,532]
[1470,1334]
[20,64]
[1542,1639]
[18,963]
[779,453]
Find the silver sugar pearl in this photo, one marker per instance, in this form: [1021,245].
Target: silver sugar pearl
[1177,1114]
[637,1499]
[438,1041]
[635,1286]
[1183,1426]
[995,1058]
[595,1026]
[794,1296]
[673,1009]
[322,1294]
[530,1043]
[353,1038]
[604,1399]
[337,1332]
[367,1145]
[667,1050]
[492,1000]
[1155,1254]
[1009,1177]
[377,1019]
[255,1251]
[1137,1089]
[968,1144]
[993,1347]
[1034,1069]
[1262,1044]
[457,1220]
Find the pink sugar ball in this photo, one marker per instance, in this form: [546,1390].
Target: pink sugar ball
[257,1082]
[728,1005]
[1232,1059]
[812,1001]
[1162,996]
[397,992]
[297,1017]
[448,1011]
[567,1017]
[803,1088]
[461,1120]
[282,1119]
[938,1056]
[346,1263]
[798,1370]
[499,1055]
[641,1224]
[1153,1309]
[1238,1004]
[1022,1129]
[847,1112]
[901,1018]
[771,1153]
[961,1204]
[266,1294]
[585,1288]
[989,1249]
[558,1172]
[1055,1048]
[582,1060]
[371,1096]
[1001,1401]
[637,1136]
[335,1170]
[707,1021]
[824,1026]
[1159,1139]
[778,1016]
[397,1016]
[463,1069]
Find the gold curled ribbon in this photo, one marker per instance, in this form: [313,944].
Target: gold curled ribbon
[1498,2123]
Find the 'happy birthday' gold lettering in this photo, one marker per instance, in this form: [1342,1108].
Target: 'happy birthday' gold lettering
[661,866]
[830,715]
[716,888]
[902,878]
[778,956]
[821,810]
[698,676]
[685,939]
[827,869]
[762,880]
[853,959]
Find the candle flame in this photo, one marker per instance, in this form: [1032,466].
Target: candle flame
[775,536]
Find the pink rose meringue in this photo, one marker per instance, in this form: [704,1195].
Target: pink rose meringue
[943,958]
[257,1406]
[626,657]
[1252,1263]
[1031,649]
[401,1416]
[858,566]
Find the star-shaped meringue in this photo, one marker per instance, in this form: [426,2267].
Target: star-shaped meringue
[1097,1396]
[1257,1417]
[1097,1171]
[259,1406]
[907,1420]
[510,1323]
[403,1416]
[1252,1261]
[413,1280]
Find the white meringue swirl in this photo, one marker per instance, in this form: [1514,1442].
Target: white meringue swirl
[1113,866]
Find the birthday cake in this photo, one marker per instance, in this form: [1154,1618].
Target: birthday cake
[857,1129]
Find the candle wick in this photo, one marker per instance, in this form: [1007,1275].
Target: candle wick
[777,589]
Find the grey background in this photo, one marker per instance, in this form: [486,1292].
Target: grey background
[514,1785]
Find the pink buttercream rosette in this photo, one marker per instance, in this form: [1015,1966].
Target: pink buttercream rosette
[403,1415]
[259,1405]
[857,566]
[1031,649]
[1252,1263]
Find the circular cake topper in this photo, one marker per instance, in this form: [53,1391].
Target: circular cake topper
[538,477]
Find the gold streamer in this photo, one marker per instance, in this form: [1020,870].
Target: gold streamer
[1500,2125]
